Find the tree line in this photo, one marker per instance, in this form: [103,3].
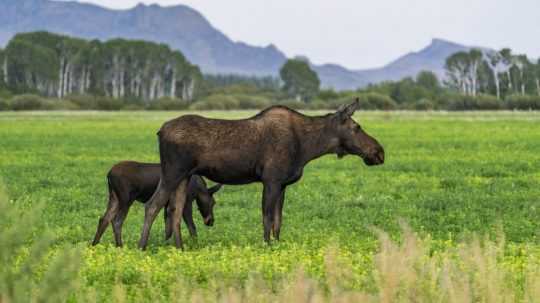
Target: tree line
[499,73]
[121,74]
[57,66]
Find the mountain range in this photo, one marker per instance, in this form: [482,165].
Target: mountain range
[187,30]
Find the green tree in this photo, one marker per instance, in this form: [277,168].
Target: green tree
[537,76]
[428,80]
[300,81]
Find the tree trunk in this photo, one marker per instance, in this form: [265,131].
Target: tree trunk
[173,84]
[538,86]
[6,72]
[66,79]
[497,84]
[61,78]
[509,80]
[522,83]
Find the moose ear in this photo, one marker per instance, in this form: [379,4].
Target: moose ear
[347,111]
[214,189]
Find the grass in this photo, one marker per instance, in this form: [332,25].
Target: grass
[453,177]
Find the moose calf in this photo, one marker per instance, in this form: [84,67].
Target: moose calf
[129,181]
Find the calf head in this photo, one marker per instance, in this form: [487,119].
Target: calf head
[205,202]
[352,139]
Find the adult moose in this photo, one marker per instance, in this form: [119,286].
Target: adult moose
[272,147]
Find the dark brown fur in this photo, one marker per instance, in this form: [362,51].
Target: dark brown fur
[272,147]
[129,181]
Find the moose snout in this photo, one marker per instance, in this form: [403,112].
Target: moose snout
[376,157]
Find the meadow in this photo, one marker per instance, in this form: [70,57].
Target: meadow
[466,184]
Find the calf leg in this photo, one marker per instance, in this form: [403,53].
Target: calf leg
[117,225]
[271,195]
[277,215]
[187,214]
[152,208]
[176,207]
[110,213]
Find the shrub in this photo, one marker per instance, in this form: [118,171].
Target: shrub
[63,104]
[29,102]
[83,101]
[5,94]
[368,101]
[378,101]
[216,102]
[106,103]
[523,102]
[252,102]
[319,105]
[487,102]
[168,104]
[24,256]
[424,104]
[133,107]
[480,102]
[4,105]
[293,104]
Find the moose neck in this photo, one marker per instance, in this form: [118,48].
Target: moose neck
[316,138]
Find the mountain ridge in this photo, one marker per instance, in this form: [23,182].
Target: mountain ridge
[185,29]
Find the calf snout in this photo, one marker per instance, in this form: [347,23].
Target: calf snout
[209,221]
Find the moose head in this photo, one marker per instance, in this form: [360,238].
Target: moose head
[353,139]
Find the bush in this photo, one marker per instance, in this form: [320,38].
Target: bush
[4,105]
[5,94]
[319,105]
[519,102]
[133,107]
[293,104]
[378,101]
[25,252]
[62,104]
[480,102]
[106,103]
[216,102]
[83,102]
[424,104]
[29,102]
[252,102]
[168,104]
[368,101]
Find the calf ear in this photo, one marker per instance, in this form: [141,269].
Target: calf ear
[347,111]
[214,189]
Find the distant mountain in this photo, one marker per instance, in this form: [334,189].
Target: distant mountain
[430,58]
[187,30]
[178,26]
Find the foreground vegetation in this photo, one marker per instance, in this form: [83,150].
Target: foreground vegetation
[466,183]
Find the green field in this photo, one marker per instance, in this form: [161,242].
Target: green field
[450,176]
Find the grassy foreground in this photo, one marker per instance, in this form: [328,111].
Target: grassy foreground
[451,176]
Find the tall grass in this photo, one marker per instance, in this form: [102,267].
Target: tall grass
[404,271]
[25,248]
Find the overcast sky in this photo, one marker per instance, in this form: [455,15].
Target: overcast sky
[367,33]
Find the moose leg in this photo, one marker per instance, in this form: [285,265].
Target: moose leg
[117,225]
[271,194]
[110,213]
[277,214]
[152,208]
[167,218]
[175,209]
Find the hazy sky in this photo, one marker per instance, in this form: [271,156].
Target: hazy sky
[368,33]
